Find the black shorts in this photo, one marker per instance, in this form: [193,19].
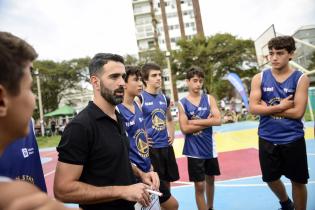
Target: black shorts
[164,163]
[289,160]
[198,168]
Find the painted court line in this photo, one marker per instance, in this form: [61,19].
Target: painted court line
[50,173]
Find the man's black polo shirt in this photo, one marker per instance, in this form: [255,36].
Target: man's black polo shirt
[99,143]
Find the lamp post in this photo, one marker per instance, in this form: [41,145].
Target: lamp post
[168,57]
[40,105]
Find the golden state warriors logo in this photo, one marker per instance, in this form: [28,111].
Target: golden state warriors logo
[158,122]
[194,117]
[142,143]
[273,102]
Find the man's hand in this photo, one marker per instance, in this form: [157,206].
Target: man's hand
[152,179]
[138,193]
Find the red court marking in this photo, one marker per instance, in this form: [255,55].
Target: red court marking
[233,165]
[49,169]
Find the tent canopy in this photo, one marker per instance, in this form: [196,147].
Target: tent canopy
[62,111]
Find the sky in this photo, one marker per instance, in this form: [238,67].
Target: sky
[66,29]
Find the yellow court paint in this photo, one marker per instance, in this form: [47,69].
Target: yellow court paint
[234,140]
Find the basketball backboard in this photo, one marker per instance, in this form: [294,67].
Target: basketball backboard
[261,46]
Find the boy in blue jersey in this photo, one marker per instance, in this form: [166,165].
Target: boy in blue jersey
[160,129]
[17,103]
[21,161]
[279,96]
[197,114]
[132,116]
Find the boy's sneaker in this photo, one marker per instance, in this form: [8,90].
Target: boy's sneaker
[287,205]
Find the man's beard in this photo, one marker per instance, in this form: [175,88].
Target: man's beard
[110,96]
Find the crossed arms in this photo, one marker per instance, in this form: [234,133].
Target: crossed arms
[193,126]
[287,108]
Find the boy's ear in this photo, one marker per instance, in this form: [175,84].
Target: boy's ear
[3,101]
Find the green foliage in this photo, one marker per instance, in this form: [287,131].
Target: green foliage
[56,77]
[48,141]
[130,60]
[312,64]
[154,56]
[217,55]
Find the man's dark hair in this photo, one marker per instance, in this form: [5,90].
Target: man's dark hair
[100,59]
[14,53]
[145,71]
[132,70]
[194,71]
[282,42]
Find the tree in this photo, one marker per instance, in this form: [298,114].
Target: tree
[155,56]
[56,77]
[130,60]
[217,55]
[312,62]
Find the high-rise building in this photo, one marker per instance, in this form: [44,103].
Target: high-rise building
[303,54]
[161,23]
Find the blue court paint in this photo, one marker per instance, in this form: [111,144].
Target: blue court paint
[247,193]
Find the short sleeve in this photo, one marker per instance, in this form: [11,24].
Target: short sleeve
[74,144]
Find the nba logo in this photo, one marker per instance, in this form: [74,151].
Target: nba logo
[24,152]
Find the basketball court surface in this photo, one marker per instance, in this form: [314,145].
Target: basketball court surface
[240,186]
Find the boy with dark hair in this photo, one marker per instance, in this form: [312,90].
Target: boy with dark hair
[279,96]
[160,128]
[133,118]
[197,114]
[17,103]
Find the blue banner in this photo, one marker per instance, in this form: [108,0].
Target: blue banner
[237,83]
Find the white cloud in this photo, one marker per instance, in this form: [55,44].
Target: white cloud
[62,29]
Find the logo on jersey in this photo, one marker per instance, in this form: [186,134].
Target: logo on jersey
[288,90]
[142,143]
[273,102]
[196,117]
[158,119]
[26,152]
[202,108]
[268,89]
[131,123]
[162,103]
[150,103]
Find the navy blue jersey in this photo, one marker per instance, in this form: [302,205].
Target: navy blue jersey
[154,109]
[279,130]
[199,144]
[139,149]
[21,160]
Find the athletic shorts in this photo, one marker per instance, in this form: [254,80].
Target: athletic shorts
[288,159]
[164,163]
[198,168]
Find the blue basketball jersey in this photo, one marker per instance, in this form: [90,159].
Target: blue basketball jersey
[139,148]
[21,160]
[200,144]
[154,109]
[279,130]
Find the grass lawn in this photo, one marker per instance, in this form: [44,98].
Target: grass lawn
[48,141]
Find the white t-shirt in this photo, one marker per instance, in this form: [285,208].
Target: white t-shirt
[5,179]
